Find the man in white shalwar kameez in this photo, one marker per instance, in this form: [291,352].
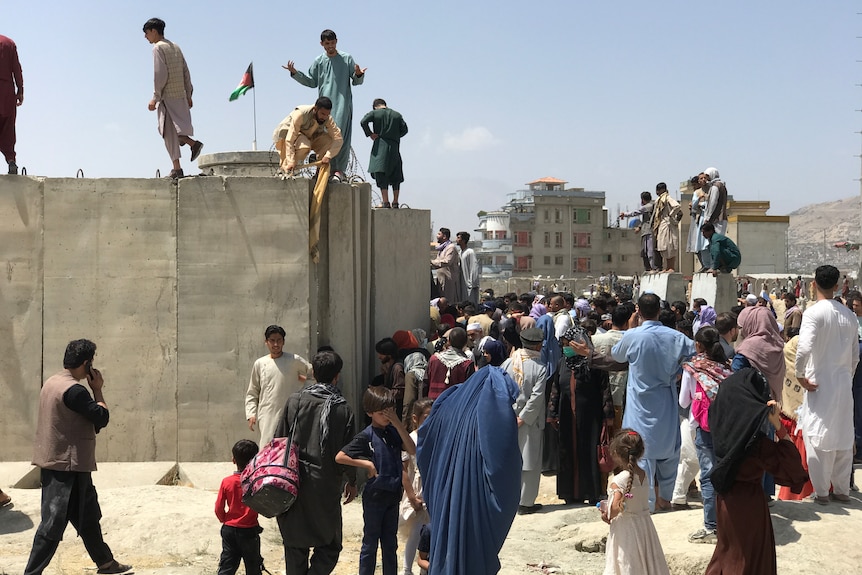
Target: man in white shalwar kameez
[525,368]
[826,359]
[274,377]
[172,95]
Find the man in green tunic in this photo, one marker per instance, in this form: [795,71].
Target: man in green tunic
[331,73]
[725,254]
[388,127]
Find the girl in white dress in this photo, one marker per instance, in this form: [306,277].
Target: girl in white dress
[633,546]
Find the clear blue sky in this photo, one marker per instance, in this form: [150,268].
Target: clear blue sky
[612,96]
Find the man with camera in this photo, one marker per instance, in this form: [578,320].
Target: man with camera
[65,452]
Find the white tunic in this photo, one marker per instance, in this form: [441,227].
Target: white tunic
[272,382]
[827,355]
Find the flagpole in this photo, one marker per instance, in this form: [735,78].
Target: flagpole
[254,99]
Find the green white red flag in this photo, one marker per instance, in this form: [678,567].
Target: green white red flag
[246,84]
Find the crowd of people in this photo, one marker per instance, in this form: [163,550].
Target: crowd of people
[727,403]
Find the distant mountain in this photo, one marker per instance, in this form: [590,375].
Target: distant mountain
[815,228]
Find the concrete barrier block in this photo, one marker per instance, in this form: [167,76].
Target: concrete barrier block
[109,276]
[21,206]
[242,265]
[669,287]
[718,291]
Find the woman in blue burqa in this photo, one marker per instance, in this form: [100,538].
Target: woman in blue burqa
[470,464]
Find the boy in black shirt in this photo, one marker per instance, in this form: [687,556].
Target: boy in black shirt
[377,449]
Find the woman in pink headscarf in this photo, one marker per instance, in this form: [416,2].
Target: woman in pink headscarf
[762,347]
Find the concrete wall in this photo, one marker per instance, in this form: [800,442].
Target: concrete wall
[718,291]
[669,287]
[176,284]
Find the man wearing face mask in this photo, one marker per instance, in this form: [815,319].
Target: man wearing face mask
[308,128]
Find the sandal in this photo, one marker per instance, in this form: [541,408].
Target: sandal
[385,205]
[114,567]
[394,205]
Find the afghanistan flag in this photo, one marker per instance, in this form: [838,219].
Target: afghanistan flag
[246,84]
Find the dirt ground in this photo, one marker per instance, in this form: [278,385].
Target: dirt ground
[162,529]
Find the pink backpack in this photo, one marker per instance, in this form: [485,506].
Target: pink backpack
[700,407]
[270,482]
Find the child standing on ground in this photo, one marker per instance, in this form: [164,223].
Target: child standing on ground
[240,532]
[377,449]
[412,513]
[633,547]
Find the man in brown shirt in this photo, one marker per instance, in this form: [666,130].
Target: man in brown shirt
[65,451]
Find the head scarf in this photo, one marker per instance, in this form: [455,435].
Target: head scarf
[405,340]
[737,417]
[583,307]
[708,373]
[712,174]
[496,350]
[538,310]
[330,395]
[762,345]
[577,333]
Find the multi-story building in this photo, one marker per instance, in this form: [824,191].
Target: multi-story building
[552,231]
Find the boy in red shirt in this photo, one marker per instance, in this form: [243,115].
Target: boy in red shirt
[240,534]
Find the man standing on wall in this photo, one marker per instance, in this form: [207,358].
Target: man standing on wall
[172,95]
[65,452]
[11,96]
[447,266]
[387,129]
[651,259]
[665,226]
[273,378]
[470,269]
[332,73]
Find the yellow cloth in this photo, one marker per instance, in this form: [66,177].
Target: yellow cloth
[316,206]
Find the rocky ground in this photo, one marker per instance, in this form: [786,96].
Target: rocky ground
[171,529]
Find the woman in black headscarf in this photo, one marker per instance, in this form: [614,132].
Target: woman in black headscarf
[580,403]
[739,417]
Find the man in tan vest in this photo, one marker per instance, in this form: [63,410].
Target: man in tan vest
[65,451]
[172,95]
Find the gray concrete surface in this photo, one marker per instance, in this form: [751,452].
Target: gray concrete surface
[176,283]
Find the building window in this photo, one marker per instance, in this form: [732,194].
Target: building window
[500,235]
[608,258]
[524,239]
[500,260]
[625,234]
[524,263]
[558,260]
[622,258]
[547,216]
[558,239]
[581,240]
[547,239]
[582,216]
[558,216]
[547,260]
[581,265]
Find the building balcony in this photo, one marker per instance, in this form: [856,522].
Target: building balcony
[492,245]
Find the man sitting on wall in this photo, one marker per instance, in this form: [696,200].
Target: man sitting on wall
[725,254]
